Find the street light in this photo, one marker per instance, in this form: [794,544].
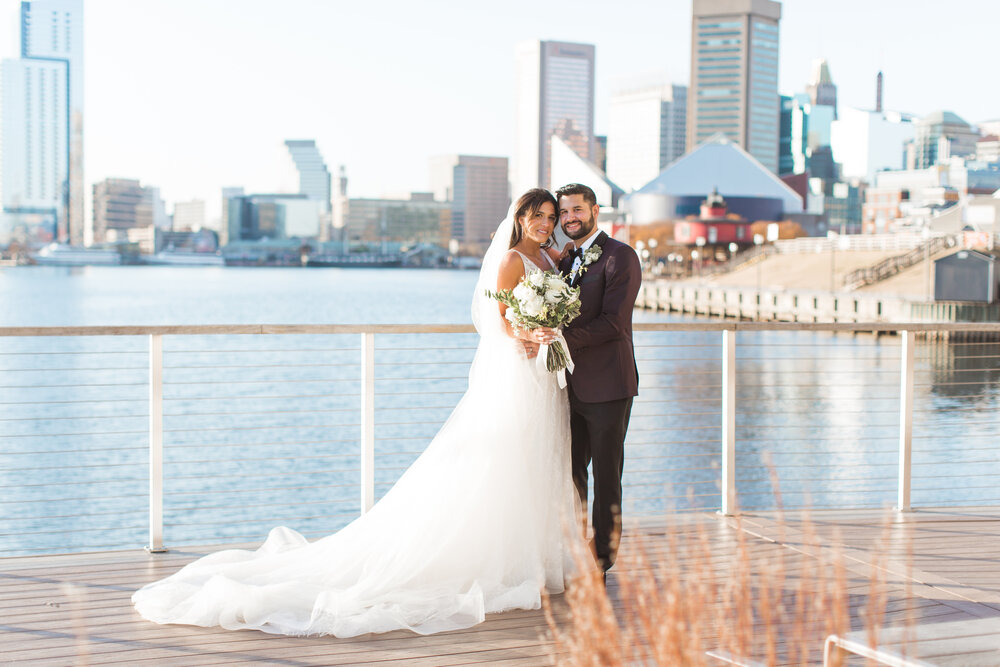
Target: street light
[833,261]
[732,249]
[758,240]
[651,244]
[927,263]
[694,258]
[700,242]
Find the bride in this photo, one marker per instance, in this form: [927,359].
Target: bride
[480,523]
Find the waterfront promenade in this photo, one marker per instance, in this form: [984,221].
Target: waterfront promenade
[729,413]
[813,287]
[931,566]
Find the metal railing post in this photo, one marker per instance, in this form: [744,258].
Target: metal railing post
[728,422]
[155,445]
[905,420]
[367,421]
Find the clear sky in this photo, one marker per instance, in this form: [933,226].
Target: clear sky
[193,95]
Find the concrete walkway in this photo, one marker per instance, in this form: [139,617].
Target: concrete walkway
[813,272]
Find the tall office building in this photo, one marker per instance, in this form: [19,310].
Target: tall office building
[939,136]
[189,216]
[227,194]
[647,131]
[553,95]
[734,75]
[42,125]
[805,136]
[477,188]
[314,178]
[821,89]
[125,210]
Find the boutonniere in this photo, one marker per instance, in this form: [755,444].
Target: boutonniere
[591,255]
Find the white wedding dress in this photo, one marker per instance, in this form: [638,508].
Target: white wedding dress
[480,523]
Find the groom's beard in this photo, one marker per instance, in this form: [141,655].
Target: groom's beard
[586,226]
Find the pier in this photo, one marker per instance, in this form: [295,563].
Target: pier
[190,439]
[75,609]
[878,278]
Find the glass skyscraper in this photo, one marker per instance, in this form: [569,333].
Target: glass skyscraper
[554,95]
[734,75]
[314,177]
[41,121]
[646,131]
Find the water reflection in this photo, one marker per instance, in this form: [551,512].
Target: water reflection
[261,430]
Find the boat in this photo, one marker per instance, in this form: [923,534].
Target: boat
[185,258]
[355,260]
[61,254]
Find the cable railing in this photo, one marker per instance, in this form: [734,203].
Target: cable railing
[115,437]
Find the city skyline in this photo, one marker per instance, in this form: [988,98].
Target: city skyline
[211,97]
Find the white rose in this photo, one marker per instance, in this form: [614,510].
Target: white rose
[522,292]
[533,307]
[553,295]
[536,278]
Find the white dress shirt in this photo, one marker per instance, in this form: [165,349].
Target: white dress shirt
[578,261]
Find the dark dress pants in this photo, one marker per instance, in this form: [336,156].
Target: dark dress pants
[598,436]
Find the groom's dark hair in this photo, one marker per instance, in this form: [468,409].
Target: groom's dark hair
[529,204]
[577,189]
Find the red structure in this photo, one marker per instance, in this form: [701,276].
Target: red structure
[715,225]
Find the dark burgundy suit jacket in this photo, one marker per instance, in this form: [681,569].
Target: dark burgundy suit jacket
[600,338]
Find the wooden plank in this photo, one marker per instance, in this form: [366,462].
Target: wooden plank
[934,567]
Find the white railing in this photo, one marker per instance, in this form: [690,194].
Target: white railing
[678,438]
[900,241]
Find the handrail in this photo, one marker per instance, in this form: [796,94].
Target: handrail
[889,267]
[271,329]
[724,425]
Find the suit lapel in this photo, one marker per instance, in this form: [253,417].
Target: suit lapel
[599,240]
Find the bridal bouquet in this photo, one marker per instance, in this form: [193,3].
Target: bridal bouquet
[543,299]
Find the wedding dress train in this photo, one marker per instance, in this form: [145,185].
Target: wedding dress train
[480,523]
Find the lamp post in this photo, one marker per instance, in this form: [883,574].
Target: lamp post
[694,258]
[833,263]
[927,264]
[758,241]
[733,247]
[700,242]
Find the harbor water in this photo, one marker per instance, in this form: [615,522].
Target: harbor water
[263,430]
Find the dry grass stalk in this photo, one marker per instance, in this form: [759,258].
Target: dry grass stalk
[703,594]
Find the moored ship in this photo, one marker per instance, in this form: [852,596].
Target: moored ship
[60,254]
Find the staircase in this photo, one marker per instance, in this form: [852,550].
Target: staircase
[889,267]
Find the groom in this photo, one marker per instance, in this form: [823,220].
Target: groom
[605,379]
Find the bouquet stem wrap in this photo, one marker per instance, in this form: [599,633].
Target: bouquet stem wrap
[555,358]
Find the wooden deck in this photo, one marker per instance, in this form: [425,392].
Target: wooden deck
[937,566]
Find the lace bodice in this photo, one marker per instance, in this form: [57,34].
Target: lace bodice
[530,266]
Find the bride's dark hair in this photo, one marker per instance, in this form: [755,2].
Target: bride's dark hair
[529,204]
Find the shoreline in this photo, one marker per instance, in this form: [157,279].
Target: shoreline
[802,305]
